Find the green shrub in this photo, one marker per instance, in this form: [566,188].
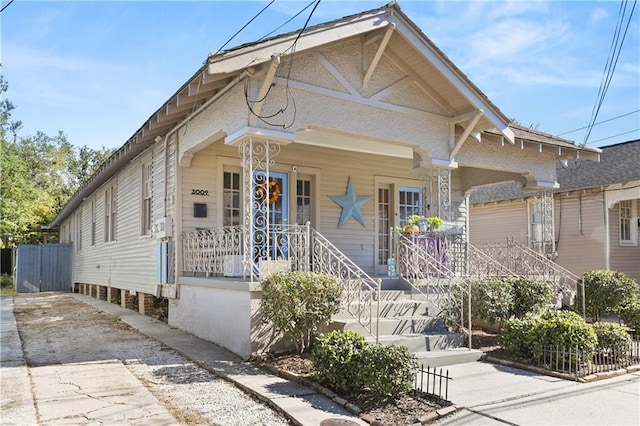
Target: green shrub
[297,302]
[7,281]
[528,296]
[529,337]
[388,370]
[351,366]
[613,337]
[337,360]
[630,314]
[606,292]
[516,336]
[564,329]
[491,300]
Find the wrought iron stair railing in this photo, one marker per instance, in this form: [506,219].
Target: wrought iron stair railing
[527,262]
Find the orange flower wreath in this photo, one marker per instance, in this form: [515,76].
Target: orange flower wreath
[274,191]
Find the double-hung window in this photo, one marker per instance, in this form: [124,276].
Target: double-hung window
[628,217]
[110,213]
[231,213]
[147,188]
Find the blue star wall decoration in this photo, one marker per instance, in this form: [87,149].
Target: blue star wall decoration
[351,205]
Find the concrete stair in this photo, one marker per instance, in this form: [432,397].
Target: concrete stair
[405,321]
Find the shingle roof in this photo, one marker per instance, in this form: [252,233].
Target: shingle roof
[619,163]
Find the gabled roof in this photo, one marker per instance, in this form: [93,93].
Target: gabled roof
[618,164]
[222,70]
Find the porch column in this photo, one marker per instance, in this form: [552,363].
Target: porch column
[544,198]
[257,159]
[436,188]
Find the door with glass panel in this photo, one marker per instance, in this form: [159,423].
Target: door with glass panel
[270,216]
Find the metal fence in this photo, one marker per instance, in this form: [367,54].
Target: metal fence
[432,382]
[579,362]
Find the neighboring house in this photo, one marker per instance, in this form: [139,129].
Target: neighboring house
[298,152]
[594,215]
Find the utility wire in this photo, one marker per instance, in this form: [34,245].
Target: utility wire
[288,20]
[615,136]
[6,6]
[600,122]
[245,26]
[611,63]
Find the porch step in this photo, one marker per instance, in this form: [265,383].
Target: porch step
[423,342]
[394,308]
[394,326]
[448,357]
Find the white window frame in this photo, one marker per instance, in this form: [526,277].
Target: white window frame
[110,213]
[146,203]
[78,241]
[535,206]
[228,195]
[93,221]
[628,212]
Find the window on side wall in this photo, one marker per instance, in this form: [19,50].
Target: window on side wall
[628,218]
[147,190]
[231,207]
[536,224]
[78,241]
[110,213]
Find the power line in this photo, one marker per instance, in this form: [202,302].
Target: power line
[245,25]
[610,66]
[615,136]
[6,6]
[288,20]
[600,122]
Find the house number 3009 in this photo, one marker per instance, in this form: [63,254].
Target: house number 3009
[199,192]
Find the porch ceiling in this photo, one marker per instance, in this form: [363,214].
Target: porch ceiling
[349,142]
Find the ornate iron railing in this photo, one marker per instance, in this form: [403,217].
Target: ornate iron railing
[212,251]
[291,247]
[524,261]
[360,292]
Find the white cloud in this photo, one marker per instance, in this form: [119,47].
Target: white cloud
[598,15]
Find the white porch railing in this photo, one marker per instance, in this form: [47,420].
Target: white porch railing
[526,262]
[299,248]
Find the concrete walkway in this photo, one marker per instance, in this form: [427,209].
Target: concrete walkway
[301,404]
[498,395]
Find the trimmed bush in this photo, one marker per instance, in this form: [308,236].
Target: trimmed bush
[606,292]
[337,360]
[297,302]
[630,314]
[491,300]
[529,337]
[528,296]
[612,336]
[351,366]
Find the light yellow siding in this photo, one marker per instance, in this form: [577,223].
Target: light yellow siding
[493,223]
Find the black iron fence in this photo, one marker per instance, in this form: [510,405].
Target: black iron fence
[432,381]
[579,362]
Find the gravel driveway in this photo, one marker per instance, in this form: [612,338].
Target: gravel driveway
[58,330]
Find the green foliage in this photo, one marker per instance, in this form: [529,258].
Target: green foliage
[606,292]
[630,314]
[612,336]
[528,295]
[388,370]
[7,288]
[350,365]
[297,302]
[498,299]
[38,175]
[528,337]
[434,222]
[337,358]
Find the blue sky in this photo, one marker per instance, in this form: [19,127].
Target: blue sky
[98,70]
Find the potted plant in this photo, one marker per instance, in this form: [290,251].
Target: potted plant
[434,222]
[412,224]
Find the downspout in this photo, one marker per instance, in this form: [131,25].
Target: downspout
[607,238]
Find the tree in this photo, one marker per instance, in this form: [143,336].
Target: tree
[38,175]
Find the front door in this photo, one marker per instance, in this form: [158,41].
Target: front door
[270,216]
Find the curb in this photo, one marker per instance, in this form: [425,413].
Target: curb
[586,379]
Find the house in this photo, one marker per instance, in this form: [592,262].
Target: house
[593,215]
[297,152]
